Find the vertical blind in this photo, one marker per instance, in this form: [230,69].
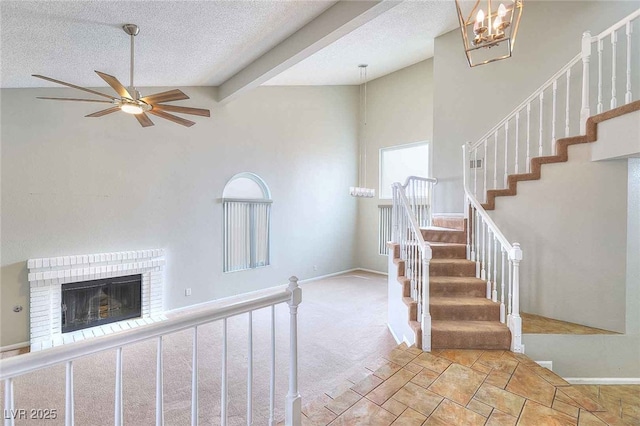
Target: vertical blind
[246,233]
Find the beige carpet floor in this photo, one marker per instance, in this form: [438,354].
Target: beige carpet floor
[341,327]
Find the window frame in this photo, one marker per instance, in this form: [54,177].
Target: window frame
[399,147]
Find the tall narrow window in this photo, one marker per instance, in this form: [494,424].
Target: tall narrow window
[399,162]
[246,202]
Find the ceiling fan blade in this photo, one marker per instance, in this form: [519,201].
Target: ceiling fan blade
[144,120]
[171,95]
[75,99]
[184,110]
[103,112]
[172,117]
[117,86]
[73,86]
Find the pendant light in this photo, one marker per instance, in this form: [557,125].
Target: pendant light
[361,190]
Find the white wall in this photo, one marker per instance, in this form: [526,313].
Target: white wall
[604,355]
[469,101]
[75,185]
[399,111]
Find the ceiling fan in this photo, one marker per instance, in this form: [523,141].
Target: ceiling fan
[130,100]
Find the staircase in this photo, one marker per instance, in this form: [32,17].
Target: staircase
[462,316]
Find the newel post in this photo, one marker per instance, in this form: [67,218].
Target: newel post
[426,315]
[585,112]
[293,414]
[516,322]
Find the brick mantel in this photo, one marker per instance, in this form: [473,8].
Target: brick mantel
[47,275]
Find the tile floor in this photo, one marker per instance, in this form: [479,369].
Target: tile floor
[536,324]
[468,387]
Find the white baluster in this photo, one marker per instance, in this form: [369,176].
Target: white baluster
[118,414]
[510,284]
[506,152]
[516,321]
[585,111]
[69,405]
[566,109]
[250,372]
[426,315]
[272,376]
[553,117]
[194,379]
[483,272]
[502,278]
[293,409]
[159,385]
[528,160]
[475,173]
[541,119]
[495,160]
[600,104]
[467,207]
[614,43]
[224,392]
[472,231]
[477,232]
[484,166]
[628,97]
[495,269]
[489,282]
[517,140]
[9,407]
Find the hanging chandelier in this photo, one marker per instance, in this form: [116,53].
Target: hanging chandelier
[361,190]
[489,28]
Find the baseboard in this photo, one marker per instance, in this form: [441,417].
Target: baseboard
[603,380]
[321,277]
[398,341]
[371,271]
[14,346]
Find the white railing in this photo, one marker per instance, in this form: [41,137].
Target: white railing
[412,211]
[12,368]
[497,262]
[559,108]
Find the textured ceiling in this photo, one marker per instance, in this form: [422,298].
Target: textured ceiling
[181,43]
[202,43]
[396,39]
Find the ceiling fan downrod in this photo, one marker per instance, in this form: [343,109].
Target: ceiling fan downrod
[132,30]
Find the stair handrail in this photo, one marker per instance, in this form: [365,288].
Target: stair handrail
[416,254]
[480,228]
[618,25]
[419,192]
[290,294]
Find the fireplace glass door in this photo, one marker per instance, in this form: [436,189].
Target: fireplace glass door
[92,303]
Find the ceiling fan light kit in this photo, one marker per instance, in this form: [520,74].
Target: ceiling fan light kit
[130,101]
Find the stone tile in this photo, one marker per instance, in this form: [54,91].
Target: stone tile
[387,370]
[498,418]
[466,357]
[343,401]
[364,412]
[562,397]
[415,351]
[458,383]
[450,413]
[498,379]
[394,407]
[409,418]
[432,362]
[321,416]
[584,401]
[402,346]
[565,408]
[504,364]
[609,418]
[374,364]
[418,398]
[339,389]
[490,356]
[359,375]
[400,357]
[549,376]
[479,407]
[500,399]
[425,377]
[366,385]
[392,385]
[310,406]
[534,414]
[478,366]
[585,418]
[414,368]
[531,386]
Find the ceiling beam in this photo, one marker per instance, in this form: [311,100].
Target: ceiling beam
[335,22]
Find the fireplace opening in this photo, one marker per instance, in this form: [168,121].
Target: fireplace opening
[91,303]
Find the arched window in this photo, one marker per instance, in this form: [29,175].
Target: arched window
[246,202]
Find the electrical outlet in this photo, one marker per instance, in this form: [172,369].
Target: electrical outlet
[187,292]
[315,267]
